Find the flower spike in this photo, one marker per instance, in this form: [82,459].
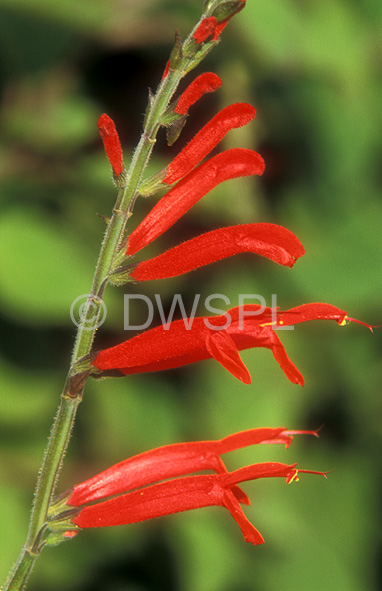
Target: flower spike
[111,143]
[269,240]
[222,167]
[207,139]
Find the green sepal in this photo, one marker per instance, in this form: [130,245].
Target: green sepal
[227,10]
[153,183]
[208,5]
[176,55]
[120,257]
[200,51]
[59,504]
[121,180]
[121,275]
[55,538]
[175,129]
[60,526]
[169,116]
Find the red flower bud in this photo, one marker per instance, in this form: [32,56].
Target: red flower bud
[111,143]
[205,29]
[207,82]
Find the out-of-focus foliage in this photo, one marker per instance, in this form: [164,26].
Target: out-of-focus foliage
[311,69]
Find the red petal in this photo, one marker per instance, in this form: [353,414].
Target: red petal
[269,240]
[207,82]
[207,139]
[222,348]
[284,362]
[311,312]
[149,467]
[250,533]
[255,334]
[227,165]
[255,471]
[317,312]
[111,143]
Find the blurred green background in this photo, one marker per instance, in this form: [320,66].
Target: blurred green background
[311,70]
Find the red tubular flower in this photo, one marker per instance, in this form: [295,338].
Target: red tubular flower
[222,167]
[184,494]
[111,143]
[207,82]
[219,337]
[269,240]
[174,460]
[207,139]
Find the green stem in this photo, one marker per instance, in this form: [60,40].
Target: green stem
[74,386]
[21,571]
